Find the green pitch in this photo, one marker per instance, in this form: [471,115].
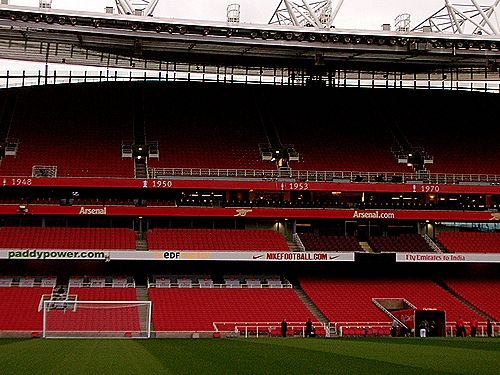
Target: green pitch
[252,356]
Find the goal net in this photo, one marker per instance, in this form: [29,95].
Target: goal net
[96,319]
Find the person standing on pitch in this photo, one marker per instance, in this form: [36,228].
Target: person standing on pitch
[394,328]
[473,327]
[489,328]
[309,328]
[284,327]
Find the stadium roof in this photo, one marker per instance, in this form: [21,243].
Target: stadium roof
[110,40]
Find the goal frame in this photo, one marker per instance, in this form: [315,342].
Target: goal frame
[46,305]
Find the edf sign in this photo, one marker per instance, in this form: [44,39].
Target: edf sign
[172,255]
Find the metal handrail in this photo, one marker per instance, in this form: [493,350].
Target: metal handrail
[326,176]
[185,72]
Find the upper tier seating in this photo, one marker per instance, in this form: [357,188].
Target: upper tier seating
[82,137]
[19,308]
[221,127]
[216,240]
[350,300]
[67,238]
[208,127]
[404,243]
[111,318]
[343,139]
[454,139]
[470,242]
[316,242]
[186,309]
[483,294]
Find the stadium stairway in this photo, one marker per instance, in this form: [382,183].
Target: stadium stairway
[311,306]
[366,247]
[293,246]
[141,244]
[462,300]
[140,168]
[141,293]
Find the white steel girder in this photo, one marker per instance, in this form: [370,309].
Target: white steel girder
[129,6]
[467,17]
[318,14]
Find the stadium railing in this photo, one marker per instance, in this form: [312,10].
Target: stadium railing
[189,72]
[481,329]
[354,328]
[324,176]
[256,329]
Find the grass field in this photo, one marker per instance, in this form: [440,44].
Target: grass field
[252,356]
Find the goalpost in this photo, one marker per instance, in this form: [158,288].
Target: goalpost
[96,319]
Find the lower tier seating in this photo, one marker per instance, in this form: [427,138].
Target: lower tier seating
[350,300]
[189,309]
[483,294]
[67,238]
[96,318]
[316,242]
[19,308]
[408,243]
[216,240]
[470,242]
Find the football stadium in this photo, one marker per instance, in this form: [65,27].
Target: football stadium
[189,197]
